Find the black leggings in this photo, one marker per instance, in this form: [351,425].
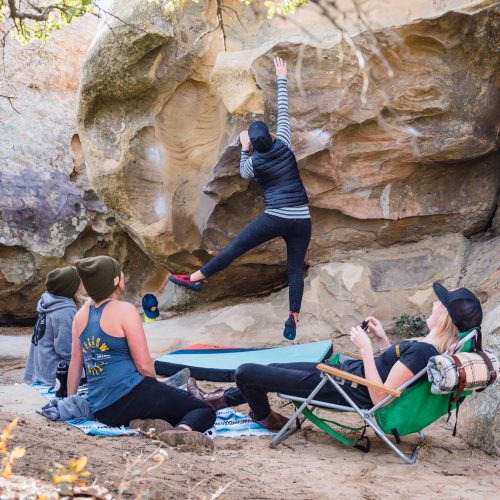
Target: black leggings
[295,232]
[255,381]
[153,399]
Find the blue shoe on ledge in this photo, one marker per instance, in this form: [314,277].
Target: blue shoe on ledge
[290,328]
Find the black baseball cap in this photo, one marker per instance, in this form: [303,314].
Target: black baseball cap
[150,306]
[260,137]
[462,305]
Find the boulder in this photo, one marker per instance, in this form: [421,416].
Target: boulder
[161,106]
[479,422]
[40,209]
[495,222]
[49,214]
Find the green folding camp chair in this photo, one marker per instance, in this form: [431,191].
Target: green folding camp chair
[405,410]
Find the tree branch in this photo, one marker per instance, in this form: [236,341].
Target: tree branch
[324,7]
[226,7]
[10,98]
[117,18]
[220,5]
[220,24]
[375,41]
[16,14]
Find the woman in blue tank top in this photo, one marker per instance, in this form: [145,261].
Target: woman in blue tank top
[108,337]
[270,161]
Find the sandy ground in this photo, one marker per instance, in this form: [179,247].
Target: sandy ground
[309,466]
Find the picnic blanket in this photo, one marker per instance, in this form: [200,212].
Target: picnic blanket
[229,423]
[218,363]
[89,427]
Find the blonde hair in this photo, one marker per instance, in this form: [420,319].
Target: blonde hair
[80,296]
[446,332]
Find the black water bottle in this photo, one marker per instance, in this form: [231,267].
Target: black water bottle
[62,380]
[83,380]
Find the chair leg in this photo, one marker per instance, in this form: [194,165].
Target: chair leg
[411,459]
[370,420]
[285,432]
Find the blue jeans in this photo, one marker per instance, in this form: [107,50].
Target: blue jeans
[295,232]
[254,382]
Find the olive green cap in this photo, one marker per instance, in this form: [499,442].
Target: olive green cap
[63,281]
[100,275]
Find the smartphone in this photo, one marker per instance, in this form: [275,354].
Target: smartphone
[364,325]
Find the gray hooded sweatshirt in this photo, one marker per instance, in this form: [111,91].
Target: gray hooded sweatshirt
[55,346]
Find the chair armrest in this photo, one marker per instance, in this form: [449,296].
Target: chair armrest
[358,380]
[354,355]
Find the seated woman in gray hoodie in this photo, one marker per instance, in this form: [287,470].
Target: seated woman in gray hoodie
[51,340]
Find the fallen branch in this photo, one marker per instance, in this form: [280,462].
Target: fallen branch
[19,365]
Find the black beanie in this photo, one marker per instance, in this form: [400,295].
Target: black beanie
[63,281]
[100,276]
[260,137]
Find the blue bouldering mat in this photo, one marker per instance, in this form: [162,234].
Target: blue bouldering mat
[218,363]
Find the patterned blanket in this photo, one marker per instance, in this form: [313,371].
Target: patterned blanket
[444,374]
[229,423]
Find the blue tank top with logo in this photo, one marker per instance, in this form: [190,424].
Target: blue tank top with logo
[111,372]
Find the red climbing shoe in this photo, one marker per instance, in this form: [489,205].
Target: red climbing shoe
[183,280]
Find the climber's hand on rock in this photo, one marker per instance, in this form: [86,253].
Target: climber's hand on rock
[280,67]
[245,140]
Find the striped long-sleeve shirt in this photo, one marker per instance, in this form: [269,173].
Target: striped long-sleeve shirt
[283,133]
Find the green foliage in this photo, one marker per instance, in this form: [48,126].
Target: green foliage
[282,6]
[410,326]
[4,11]
[36,20]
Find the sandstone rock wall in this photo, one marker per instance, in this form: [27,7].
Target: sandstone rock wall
[479,422]
[159,123]
[49,214]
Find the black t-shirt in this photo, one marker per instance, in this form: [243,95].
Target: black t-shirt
[414,355]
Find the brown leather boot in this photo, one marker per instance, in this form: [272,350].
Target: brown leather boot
[213,399]
[274,421]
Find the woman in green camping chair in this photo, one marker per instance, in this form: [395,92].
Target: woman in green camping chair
[453,312]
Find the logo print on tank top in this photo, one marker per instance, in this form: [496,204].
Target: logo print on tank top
[94,355]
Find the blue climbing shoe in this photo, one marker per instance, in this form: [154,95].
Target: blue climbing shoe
[290,328]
